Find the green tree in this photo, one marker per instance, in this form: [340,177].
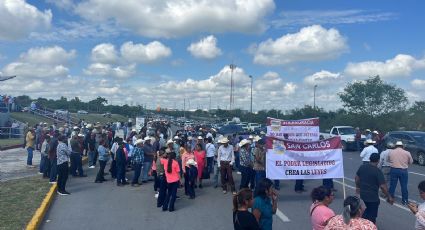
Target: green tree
[373,97]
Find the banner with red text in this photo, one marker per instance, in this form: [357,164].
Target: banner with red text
[289,160]
[303,130]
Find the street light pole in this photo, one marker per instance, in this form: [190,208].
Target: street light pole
[251,91]
[314,97]
[232,67]
[209,110]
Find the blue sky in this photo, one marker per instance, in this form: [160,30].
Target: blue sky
[158,53]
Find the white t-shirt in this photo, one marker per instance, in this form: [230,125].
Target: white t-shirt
[366,152]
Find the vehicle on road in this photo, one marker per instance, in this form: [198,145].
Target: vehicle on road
[231,129]
[25,109]
[253,126]
[413,141]
[107,114]
[60,113]
[82,112]
[347,134]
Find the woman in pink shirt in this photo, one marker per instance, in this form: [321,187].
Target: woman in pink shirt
[320,213]
[172,174]
[200,160]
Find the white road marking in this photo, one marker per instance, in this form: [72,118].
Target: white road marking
[397,205]
[282,216]
[419,174]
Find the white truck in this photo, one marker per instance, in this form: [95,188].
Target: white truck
[347,134]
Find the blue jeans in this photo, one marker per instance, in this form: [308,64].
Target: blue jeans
[43,163]
[402,176]
[210,164]
[76,164]
[53,169]
[170,198]
[146,167]
[237,161]
[162,190]
[30,151]
[247,178]
[91,158]
[137,171]
[259,175]
[121,173]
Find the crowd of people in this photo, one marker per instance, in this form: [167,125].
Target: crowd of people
[187,159]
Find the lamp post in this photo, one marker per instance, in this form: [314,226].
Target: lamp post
[209,109]
[232,67]
[251,90]
[314,97]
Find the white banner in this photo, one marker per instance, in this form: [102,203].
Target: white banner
[304,130]
[140,122]
[288,160]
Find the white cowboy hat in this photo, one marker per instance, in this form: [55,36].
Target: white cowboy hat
[133,130]
[262,133]
[138,141]
[200,138]
[257,138]
[189,138]
[176,137]
[375,132]
[75,127]
[191,162]
[81,135]
[367,130]
[244,142]
[369,142]
[212,129]
[251,137]
[223,140]
[147,139]
[170,142]
[89,126]
[399,143]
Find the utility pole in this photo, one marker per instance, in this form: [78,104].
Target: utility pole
[209,108]
[314,97]
[184,108]
[232,67]
[251,91]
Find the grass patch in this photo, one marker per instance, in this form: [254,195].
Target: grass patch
[11,142]
[32,119]
[19,199]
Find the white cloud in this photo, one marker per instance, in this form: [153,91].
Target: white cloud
[323,78]
[141,53]
[313,43]
[174,18]
[102,69]
[418,84]
[62,4]
[401,65]
[104,53]
[323,17]
[206,48]
[18,19]
[41,62]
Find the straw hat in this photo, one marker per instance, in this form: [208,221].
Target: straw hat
[138,141]
[369,142]
[191,162]
[244,142]
[200,138]
[399,143]
[170,142]
[257,138]
[223,140]
[147,139]
[262,133]
[176,137]
[367,130]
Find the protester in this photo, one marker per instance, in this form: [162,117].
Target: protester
[186,155]
[384,163]
[200,155]
[246,165]
[76,159]
[53,158]
[44,163]
[368,181]
[225,160]
[148,159]
[137,160]
[265,204]
[350,217]
[91,142]
[419,211]
[161,177]
[63,153]
[400,160]
[192,175]
[260,162]
[357,138]
[368,150]
[29,140]
[120,158]
[210,151]
[242,218]
[320,213]
[172,171]
[103,160]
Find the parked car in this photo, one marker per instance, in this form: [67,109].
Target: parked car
[231,129]
[347,134]
[107,115]
[60,113]
[25,109]
[413,141]
[253,126]
[82,112]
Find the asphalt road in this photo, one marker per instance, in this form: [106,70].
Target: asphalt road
[106,206]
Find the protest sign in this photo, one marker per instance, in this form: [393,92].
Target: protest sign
[140,122]
[289,160]
[304,130]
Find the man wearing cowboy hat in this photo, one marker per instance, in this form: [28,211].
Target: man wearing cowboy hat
[368,150]
[400,160]
[137,160]
[148,159]
[247,164]
[76,160]
[384,163]
[225,160]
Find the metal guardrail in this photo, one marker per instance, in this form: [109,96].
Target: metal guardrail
[9,132]
[56,117]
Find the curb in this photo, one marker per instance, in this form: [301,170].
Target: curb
[39,214]
[41,211]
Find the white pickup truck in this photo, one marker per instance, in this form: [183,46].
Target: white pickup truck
[347,134]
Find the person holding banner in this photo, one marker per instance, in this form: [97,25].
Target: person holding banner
[225,161]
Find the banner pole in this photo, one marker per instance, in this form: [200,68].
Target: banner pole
[343,186]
